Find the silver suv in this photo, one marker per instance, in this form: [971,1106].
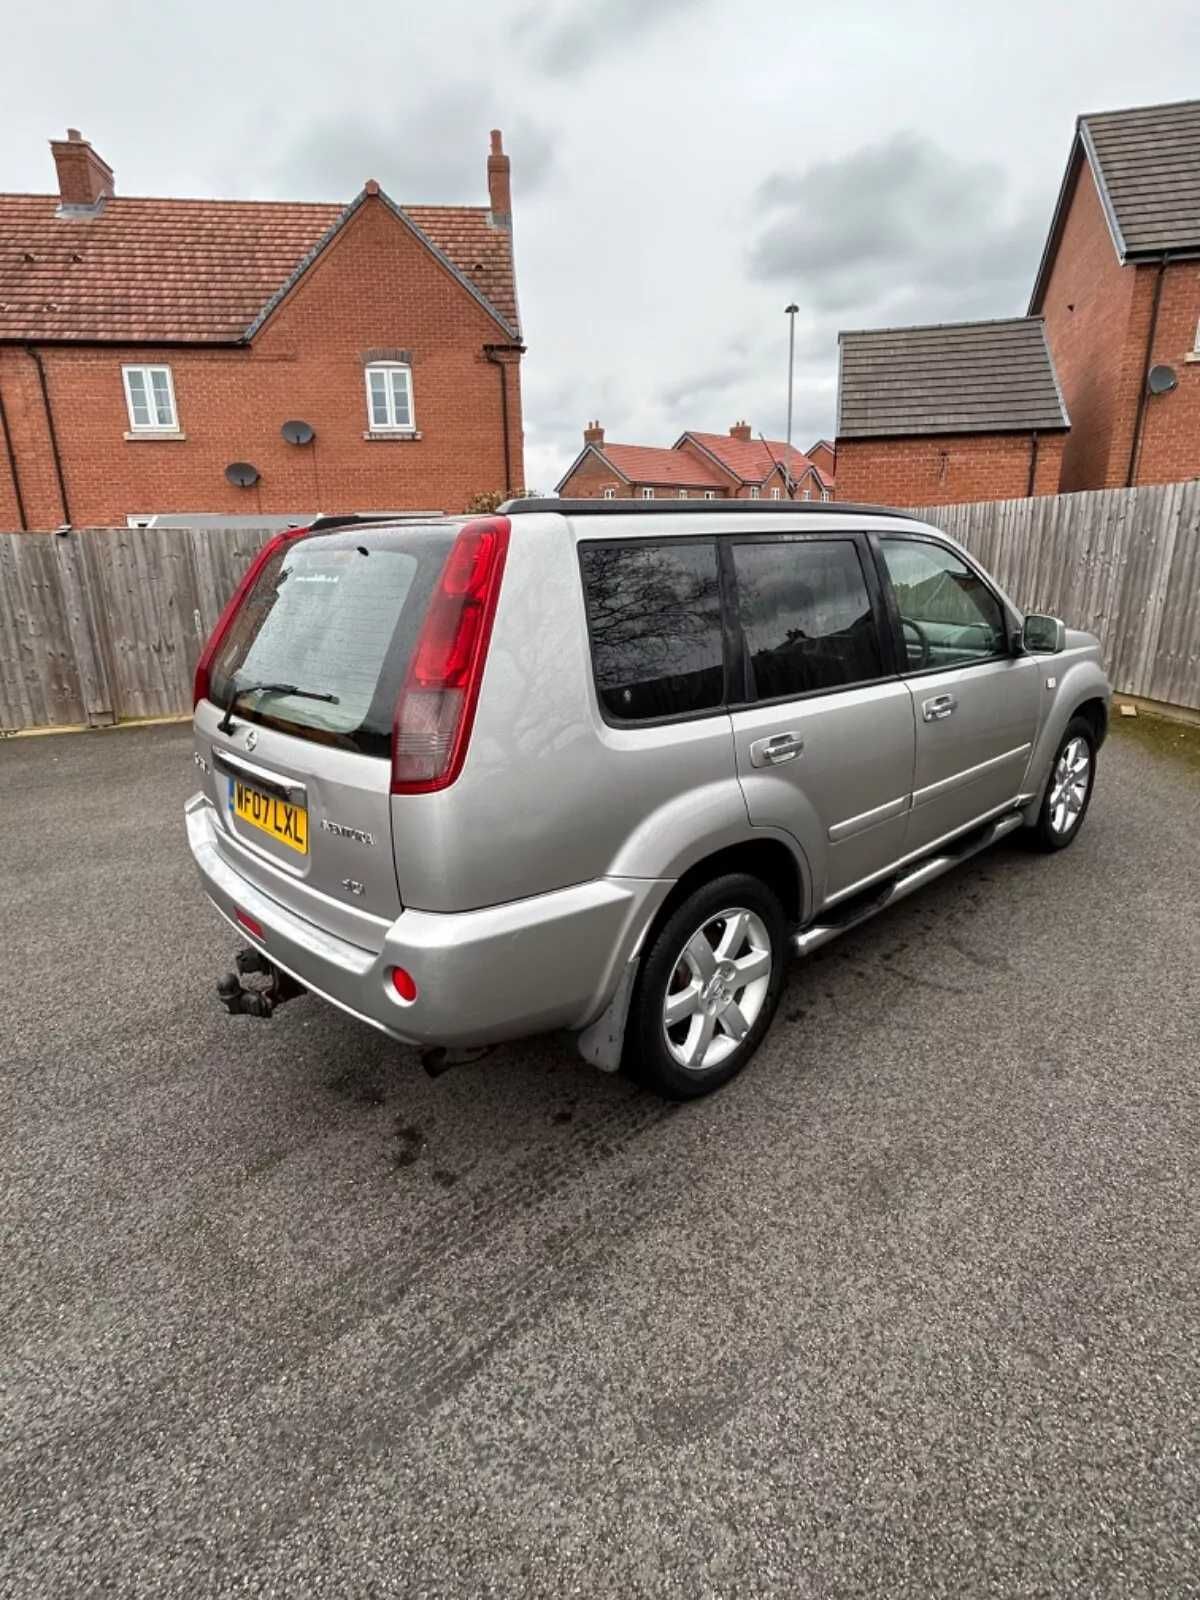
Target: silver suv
[604,768]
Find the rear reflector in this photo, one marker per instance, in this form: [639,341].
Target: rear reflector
[404,984]
[436,708]
[249,579]
[249,923]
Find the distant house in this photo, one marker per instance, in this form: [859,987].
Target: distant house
[152,351]
[698,466]
[955,411]
[1119,289]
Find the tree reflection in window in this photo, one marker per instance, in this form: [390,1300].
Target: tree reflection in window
[654,614]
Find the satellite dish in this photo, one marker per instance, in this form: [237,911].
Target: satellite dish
[298,432]
[1162,380]
[242,474]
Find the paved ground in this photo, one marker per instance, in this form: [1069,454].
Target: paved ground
[910,1310]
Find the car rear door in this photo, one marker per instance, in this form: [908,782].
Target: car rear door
[301,781]
[823,724]
[975,703]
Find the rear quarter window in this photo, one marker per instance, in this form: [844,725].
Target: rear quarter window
[654,621]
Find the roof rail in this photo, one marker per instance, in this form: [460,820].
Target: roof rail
[693,508]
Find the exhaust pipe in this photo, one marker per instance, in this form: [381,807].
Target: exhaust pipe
[238,1000]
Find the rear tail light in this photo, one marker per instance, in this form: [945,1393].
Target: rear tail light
[437,704]
[224,621]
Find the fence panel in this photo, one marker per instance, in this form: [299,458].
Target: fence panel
[107,623]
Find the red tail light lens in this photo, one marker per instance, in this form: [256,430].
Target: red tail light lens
[248,922]
[249,579]
[437,704]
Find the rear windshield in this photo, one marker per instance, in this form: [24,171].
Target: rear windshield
[334,614]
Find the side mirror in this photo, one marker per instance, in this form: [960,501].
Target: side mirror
[1043,636]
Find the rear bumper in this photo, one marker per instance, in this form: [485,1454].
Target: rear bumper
[503,972]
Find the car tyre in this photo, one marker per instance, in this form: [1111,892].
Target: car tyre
[707,988]
[1069,790]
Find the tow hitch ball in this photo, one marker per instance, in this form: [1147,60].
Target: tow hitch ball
[240,1001]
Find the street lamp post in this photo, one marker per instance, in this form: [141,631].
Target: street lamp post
[791,316]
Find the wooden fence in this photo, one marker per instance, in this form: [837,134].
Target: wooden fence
[1123,563]
[105,624]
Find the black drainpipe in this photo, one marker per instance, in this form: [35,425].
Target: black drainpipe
[1135,447]
[1033,458]
[489,351]
[58,467]
[12,466]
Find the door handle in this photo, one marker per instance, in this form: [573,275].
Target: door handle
[941,705]
[775,750]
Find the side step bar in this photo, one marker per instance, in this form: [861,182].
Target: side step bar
[838,918]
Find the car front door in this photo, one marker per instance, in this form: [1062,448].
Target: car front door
[975,703]
[822,721]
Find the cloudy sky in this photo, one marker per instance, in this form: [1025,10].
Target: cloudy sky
[681,168]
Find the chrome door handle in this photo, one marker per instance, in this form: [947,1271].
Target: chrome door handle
[772,752]
[942,705]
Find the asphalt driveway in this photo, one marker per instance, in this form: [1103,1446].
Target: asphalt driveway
[911,1309]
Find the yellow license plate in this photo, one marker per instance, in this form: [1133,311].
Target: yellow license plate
[283,821]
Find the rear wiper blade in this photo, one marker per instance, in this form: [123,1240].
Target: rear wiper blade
[235,694]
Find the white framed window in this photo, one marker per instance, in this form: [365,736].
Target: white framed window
[710,494]
[806,494]
[150,399]
[825,495]
[389,397]
[647,494]
[1196,346]
[134,520]
[683,494]
[755,492]
[776,494]
[610,494]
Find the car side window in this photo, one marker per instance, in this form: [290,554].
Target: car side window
[806,615]
[654,619]
[948,615]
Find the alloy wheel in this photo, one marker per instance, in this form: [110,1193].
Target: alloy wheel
[1069,785]
[717,988]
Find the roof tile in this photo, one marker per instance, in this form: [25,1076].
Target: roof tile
[150,270]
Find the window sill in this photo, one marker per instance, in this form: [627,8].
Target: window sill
[136,436]
[391,435]
[1192,355]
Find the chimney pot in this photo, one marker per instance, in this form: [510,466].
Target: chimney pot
[84,178]
[593,433]
[499,183]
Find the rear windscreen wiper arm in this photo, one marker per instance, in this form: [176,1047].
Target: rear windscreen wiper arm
[226,724]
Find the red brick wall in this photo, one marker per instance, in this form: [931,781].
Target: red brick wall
[375,287]
[1088,306]
[1097,321]
[1170,445]
[945,470]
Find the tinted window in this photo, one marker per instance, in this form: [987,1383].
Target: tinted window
[338,614]
[948,614]
[654,615]
[806,616]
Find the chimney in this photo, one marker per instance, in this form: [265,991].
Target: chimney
[593,434]
[84,180]
[499,189]
[740,430]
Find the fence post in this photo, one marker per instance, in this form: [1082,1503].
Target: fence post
[94,685]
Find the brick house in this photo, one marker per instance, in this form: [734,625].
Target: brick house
[952,412]
[698,466]
[1119,289]
[147,345]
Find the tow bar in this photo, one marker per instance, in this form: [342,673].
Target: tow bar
[241,1001]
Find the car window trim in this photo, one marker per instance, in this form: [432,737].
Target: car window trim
[879,616]
[667,541]
[912,536]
